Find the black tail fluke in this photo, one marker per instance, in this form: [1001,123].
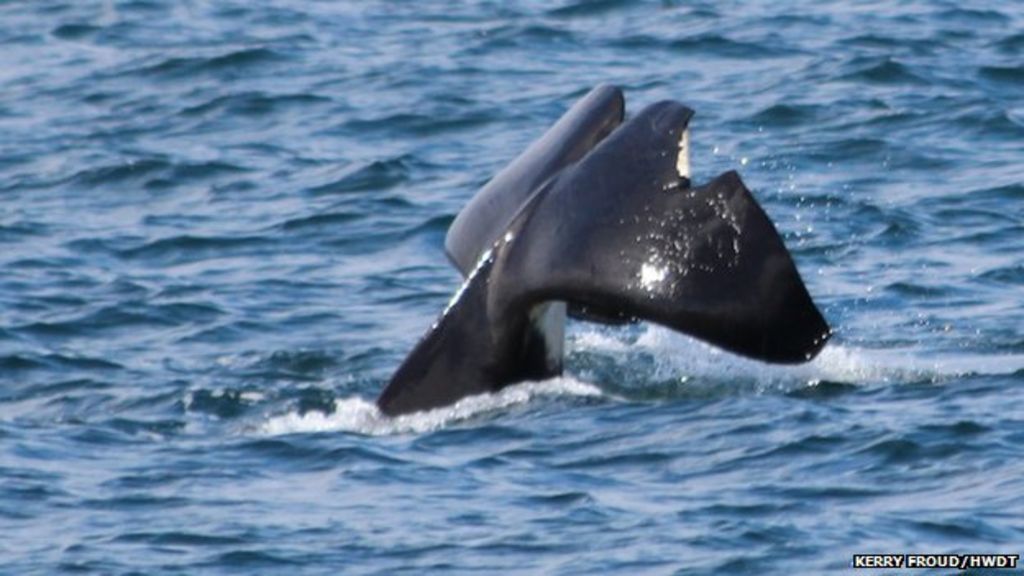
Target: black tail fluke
[603,217]
[622,231]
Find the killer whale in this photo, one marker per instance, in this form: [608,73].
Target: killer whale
[599,219]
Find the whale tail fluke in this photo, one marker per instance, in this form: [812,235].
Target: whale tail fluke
[612,226]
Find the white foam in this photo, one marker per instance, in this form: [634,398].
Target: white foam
[679,357]
[675,357]
[683,355]
[597,339]
[363,417]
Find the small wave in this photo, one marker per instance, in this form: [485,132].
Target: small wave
[284,364]
[17,231]
[428,123]
[222,402]
[163,171]
[878,43]
[974,16]
[190,248]
[328,220]
[74,31]
[990,123]
[589,8]
[725,47]
[120,172]
[254,104]
[1009,193]
[252,559]
[436,226]
[363,417]
[372,176]
[176,538]
[1012,44]
[787,115]
[231,62]
[105,320]
[887,71]
[507,35]
[1005,74]
[1013,275]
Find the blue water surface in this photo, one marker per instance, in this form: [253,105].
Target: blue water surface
[222,226]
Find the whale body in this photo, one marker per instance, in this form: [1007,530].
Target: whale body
[598,219]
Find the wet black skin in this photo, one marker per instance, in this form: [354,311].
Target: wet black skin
[619,232]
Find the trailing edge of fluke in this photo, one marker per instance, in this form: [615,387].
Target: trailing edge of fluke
[598,219]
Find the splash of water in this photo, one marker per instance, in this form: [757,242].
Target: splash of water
[674,357]
[356,414]
[678,357]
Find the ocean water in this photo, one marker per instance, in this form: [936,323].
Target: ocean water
[222,229]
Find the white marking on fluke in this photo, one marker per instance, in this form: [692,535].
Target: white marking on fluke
[549,320]
[683,160]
